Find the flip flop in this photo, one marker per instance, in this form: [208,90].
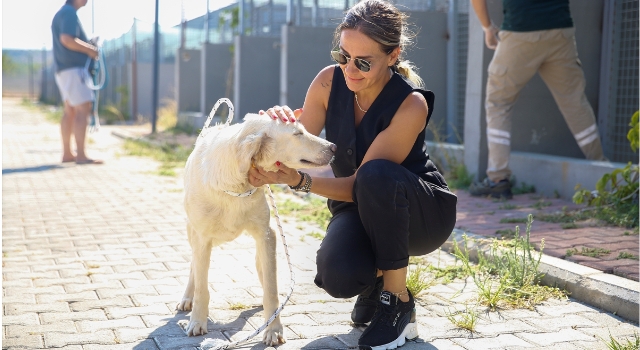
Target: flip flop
[89,161]
[69,160]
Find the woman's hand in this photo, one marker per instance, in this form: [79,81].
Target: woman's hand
[285,175]
[283,112]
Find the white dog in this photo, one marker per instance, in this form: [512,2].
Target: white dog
[220,204]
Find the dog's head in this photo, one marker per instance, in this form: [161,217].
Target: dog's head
[267,141]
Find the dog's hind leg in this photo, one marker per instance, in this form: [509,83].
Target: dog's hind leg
[198,279]
[267,272]
[187,298]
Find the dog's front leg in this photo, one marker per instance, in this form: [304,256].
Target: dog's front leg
[266,266]
[200,269]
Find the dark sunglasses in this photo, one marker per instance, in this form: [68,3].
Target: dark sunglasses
[341,58]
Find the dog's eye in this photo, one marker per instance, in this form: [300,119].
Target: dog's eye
[297,133]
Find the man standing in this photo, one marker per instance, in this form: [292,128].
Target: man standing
[70,52]
[536,36]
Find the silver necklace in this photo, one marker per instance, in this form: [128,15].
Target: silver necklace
[358,103]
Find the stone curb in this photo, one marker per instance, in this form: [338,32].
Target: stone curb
[608,292]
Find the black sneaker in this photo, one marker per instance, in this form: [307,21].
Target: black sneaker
[393,323]
[366,304]
[501,189]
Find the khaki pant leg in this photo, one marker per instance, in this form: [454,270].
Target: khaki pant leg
[562,72]
[513,65]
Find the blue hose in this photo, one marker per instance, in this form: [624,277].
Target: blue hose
[96,80]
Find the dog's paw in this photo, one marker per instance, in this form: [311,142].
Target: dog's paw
[197,328]
[184,305]
[274,336]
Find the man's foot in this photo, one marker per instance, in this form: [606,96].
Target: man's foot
[393,323]
[68,158]
[500,189]
[88,161]
[366,304]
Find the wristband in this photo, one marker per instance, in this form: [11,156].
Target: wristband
[491,26]
[302,178]
[307,184]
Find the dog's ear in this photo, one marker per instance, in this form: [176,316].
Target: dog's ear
[256,147]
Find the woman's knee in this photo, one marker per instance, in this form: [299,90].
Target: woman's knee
[375,181]
[343,281]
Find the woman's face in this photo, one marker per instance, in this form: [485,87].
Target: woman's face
[355,44]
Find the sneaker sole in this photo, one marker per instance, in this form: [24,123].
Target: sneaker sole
[410,332]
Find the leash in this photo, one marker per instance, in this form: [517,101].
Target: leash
[95,78]
[219,344]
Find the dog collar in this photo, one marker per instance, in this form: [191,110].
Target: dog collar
[245,194]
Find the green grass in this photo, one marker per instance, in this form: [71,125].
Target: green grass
[540,204]
[311,209]
[508,277]
[171,156]
[417,279]
[591,252]
[523,188]
[513,220]
[627,344]
[625,255]
[508,206]
[466,319]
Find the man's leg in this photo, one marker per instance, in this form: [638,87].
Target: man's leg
[563,74]
[66,130]
[514,63]
[80,130]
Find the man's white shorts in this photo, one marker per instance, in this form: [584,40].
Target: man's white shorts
[72,86]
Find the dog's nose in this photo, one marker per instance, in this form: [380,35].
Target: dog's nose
[333,148]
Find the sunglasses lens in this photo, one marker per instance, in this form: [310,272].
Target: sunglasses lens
[362,65]
[339,57]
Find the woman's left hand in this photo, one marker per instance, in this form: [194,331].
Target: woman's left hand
[285,175]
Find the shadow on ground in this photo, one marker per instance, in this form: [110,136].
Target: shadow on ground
[32,169]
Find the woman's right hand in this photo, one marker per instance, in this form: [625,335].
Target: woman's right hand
[284,113]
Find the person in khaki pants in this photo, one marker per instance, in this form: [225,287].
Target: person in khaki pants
[536,36]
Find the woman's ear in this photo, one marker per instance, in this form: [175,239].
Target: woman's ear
[393,56]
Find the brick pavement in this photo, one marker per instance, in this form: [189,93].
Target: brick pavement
[95,257]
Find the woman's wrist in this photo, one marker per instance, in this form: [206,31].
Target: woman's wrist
[297,181]
[305,183]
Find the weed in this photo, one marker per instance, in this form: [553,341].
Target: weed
[569,225]
[508,277]
[417,280]
[540,204]
[508,206]
[585,251]
[506,232]
[615,199]
[464,319]
[170,155]
[458,176]
[490,212]
[311,210]
[523,188]
[237,306]
[630,344]
[316,235]
[625,255]
[513,220]
[446,275]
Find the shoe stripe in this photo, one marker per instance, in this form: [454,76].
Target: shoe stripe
[499,140]
[498,132]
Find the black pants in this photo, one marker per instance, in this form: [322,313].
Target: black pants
[395,214]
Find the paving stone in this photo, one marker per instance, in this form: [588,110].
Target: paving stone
[58,327]
[561,336]
[56,340]
[503,341]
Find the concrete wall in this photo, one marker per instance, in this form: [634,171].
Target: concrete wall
[538,125]
[256,74]
[217,71]
[166,77]
[305,51]
[188,75]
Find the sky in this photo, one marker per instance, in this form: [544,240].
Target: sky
[26,24]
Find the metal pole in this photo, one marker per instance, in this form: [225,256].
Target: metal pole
[156,57]
[290,12]
[134,71]
[206,25]
[452,72]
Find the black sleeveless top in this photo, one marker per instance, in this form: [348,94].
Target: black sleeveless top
[353,142]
